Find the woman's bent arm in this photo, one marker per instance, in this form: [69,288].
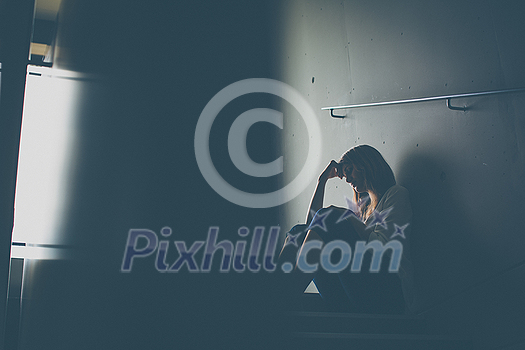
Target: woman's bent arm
[332,170]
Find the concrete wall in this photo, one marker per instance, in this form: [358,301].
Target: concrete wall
[464,170]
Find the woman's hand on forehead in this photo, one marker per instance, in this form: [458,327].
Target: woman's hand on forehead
[333,169]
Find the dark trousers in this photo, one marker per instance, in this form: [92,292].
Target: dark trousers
[362,292]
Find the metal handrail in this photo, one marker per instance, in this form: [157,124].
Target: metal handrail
[423,99]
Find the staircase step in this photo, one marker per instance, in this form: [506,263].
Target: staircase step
[339,322]
[336,341]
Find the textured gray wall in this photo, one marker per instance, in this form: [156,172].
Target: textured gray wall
[465,170]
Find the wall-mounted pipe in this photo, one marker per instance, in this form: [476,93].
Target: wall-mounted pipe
[423,99]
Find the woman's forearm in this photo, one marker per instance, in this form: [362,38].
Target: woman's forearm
[332,170]
[317,199]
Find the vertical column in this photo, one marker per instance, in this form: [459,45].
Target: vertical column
[16,18]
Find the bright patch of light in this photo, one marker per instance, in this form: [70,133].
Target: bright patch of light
[40,253]
[46,152]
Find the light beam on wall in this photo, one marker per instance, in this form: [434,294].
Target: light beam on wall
[47,145]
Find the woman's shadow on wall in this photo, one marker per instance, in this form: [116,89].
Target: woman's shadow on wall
[439,245]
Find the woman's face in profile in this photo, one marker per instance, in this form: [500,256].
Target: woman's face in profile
[354,177]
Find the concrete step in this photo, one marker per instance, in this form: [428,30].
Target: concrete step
[339,322]
[336,341]
[316,328]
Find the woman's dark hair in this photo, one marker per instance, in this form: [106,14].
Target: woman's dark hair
[377,174]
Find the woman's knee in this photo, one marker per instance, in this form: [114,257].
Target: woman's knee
[332,210]
[299,228]
[325,211]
